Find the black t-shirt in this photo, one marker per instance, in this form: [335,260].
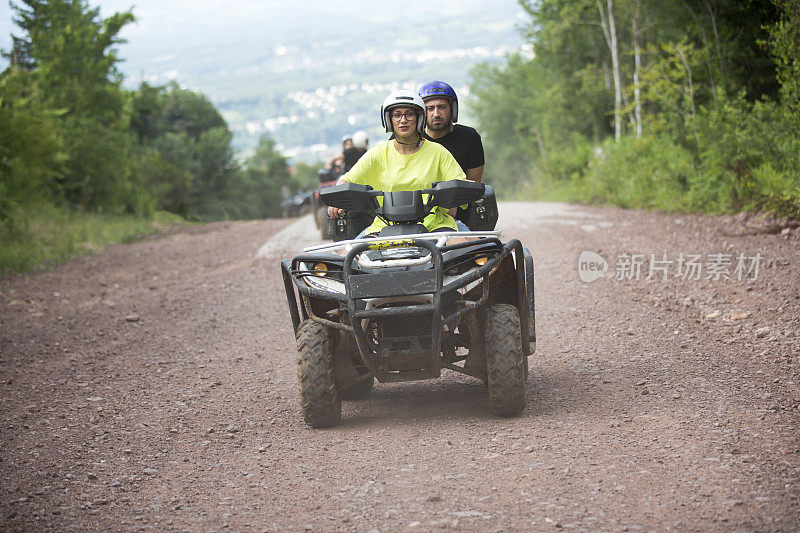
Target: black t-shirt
[464,143]
[351,156]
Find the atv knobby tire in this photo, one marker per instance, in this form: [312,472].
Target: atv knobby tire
[506,367]
[359,391]
[319,398]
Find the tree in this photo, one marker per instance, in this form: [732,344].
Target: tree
[74,54]
[190,112]
[636,22]
[186,157]
[31,151]
[785,48]
[266,174]
[608,21]
[20,54]
[688,75]
[72,57]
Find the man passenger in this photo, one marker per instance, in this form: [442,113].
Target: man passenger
[441,106]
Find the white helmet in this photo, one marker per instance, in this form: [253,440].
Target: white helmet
[404,98]
[360,139]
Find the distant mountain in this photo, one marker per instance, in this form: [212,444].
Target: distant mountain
[308,72]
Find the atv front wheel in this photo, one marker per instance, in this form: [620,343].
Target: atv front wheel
[319,398]
[506,365]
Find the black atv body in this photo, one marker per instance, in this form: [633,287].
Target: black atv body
[409,303]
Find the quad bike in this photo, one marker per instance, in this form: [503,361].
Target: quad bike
[406,304]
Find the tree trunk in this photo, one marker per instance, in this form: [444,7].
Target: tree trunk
[712,16]
[637,58]
[610,31]
[539,142]
[706,47]
[690,87]
[689,81]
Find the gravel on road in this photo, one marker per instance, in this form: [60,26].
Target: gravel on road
[153,386]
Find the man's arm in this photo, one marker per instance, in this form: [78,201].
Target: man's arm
[475,174]
[475,159]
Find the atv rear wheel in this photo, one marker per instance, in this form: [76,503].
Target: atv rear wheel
[319,398]
[506,365]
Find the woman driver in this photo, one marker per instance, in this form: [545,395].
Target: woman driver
[407,162]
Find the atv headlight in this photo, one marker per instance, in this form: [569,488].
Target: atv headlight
[481,260]
[320,269]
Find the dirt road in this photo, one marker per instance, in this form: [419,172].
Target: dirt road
[152,386]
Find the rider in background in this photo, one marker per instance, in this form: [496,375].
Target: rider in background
[350,156]
[354,148]
[441,105]
[406,162]
[337,163]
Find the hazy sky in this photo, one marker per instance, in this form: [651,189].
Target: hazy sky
[199,17]
[221,49]
[165,26]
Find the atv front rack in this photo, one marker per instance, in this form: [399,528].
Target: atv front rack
[362,287]
[440,236]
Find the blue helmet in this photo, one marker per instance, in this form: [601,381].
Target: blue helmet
[439,89]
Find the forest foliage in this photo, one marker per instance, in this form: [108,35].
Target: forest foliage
[74,141]
[663,104]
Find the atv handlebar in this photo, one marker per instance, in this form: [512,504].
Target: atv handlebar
[402,206]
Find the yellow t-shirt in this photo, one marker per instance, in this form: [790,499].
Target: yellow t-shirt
[385,169]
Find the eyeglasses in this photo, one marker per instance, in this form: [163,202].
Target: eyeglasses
[397,116]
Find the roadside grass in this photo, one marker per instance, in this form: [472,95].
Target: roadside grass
[40,237]
[548,190]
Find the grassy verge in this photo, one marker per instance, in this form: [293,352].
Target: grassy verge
[40,237]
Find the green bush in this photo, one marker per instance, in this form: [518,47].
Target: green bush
[741,156]
[568,164]
[647,173]
[777,191]
[748,158]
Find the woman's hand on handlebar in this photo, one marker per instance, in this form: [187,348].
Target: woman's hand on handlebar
[335,212]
